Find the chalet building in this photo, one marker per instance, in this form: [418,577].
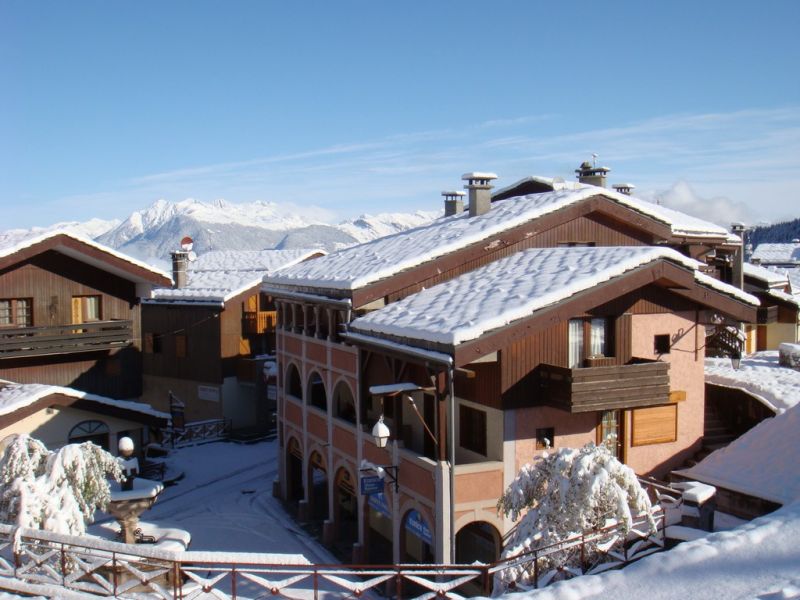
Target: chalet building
[777,255]
[58,416]
[779,313]
[557,314]
[70,314]
[206,339]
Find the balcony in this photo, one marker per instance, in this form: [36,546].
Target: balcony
[637,384]
[21,342]
[255,323]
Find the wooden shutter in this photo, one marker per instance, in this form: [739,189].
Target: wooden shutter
[77,310]
[180,346]
[656,425]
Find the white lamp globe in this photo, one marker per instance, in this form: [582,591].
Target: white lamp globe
[125,446]
[381,433]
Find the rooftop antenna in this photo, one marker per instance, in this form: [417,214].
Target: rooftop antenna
[594,159]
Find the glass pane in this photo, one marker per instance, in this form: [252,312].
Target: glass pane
[92,304]
[575,343]
[23,313]
[5,312]
[597,342]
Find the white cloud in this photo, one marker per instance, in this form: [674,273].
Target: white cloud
[720,210]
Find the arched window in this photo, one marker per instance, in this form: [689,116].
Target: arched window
[343,402]
[90,431]
[293,385]
[316,392]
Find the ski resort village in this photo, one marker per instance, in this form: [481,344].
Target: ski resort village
[542,388]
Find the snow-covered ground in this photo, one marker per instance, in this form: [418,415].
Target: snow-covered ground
[759,375]
[758,560]
[225,502]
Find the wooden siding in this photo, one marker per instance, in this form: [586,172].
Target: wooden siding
[202,329]
[517,363]
[51,280]
[484,387]
[604,388]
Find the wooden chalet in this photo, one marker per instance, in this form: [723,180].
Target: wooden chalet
[553,318]
[70,314]
[779,313]
[206,340]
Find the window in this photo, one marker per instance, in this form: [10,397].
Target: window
[316,392]
[181,345]
[661,344]
[16,312]
[472,429]
[545,438]
[152,343]
[90,431]
[588,337]
[85,309]
[576,244]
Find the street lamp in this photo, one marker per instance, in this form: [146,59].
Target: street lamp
[381,433]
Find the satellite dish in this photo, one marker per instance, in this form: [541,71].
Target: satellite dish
[192,255]
[186,244]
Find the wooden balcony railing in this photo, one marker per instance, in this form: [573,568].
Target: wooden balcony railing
[605,388]
[19,342]
[254,323]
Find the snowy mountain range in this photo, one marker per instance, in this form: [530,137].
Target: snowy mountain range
[151,234]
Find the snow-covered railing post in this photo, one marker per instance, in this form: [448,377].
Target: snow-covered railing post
[583,553]
[233,582]
[114,578]
[63,565]
[399,585]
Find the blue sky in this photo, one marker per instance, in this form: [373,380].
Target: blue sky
[355,107]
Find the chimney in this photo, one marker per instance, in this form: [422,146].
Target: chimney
[180,262]
[624,188]
[453,203]
[480,197]
[591,174]
[737,265]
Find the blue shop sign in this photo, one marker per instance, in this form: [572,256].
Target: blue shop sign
[371,484]
[418,527]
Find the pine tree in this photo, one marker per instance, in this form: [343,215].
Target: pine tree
[563,494]
[56,491]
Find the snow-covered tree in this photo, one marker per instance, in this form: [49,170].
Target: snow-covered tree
[56,491]
[563,494]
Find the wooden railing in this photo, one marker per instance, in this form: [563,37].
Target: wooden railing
[254,323]
[196,431]
[40,560]
[605,388]
[65,339]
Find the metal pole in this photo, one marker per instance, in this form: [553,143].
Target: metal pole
[452,440]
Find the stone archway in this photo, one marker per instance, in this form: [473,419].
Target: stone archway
[317,489]
[345,507]
[416,538]
[479,541]
[294,473]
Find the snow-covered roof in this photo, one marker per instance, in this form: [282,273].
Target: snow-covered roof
[771,277]
[785,297]
[14,396]
[11,244]
[777,253]
[794,280]
[555,183]
[759,375]
[761,463]
[221,275]
[359,266]
[265,261]
[512,288]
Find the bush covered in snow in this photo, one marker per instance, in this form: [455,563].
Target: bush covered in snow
[56,491]
[563,494]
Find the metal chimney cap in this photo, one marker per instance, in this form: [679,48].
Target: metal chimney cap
[454,193]
[478,175]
